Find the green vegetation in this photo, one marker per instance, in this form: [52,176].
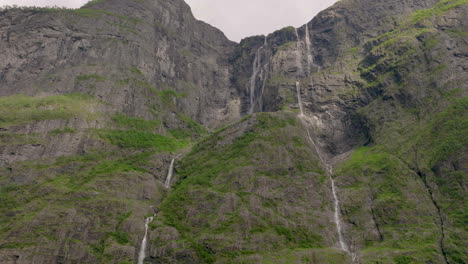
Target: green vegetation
[439,9]
[287,45]
[92,2]
[7,138]
[141,140]
[303,238]
[19,109]
[93,169]
[120,237]
[135,70]
[74,189]
[88,77]
[220,168]
[399,205]
[135,123]
[168,96]
[447,132]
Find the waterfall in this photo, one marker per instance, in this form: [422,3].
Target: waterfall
[253,79]
[336,201]
[141,255]
[299,99]
[337,215]
[167,183]
[258,71]
[308,47]
[300,69]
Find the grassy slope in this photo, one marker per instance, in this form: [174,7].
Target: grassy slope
[86,203]
[419,128]
[245,193]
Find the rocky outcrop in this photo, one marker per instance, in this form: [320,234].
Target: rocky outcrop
[97,102]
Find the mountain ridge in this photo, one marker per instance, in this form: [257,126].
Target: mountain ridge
[364,105]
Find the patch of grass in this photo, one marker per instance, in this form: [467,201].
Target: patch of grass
[403,260]
[135,70]
[439,9]
[301,238]
[20,109]
[457,33]
[120,237]
[7,138]
[92,2]
[16,245]
[267,121]
[168,96]
[447,132]
[91,170]
[135,123]
[192,126]
[141,140]
[204,253]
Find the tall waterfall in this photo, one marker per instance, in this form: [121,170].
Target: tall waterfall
[167,183]
[309,50]
[141,255]
[299,99]
[337,215]
[258,71]
[300,69]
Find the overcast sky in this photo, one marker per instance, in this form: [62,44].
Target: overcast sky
[236,18]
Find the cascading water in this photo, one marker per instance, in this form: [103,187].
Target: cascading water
[299,99]
[167,183]
[337,216]
[142,255]
[308,47]
[300,69]
[257,71]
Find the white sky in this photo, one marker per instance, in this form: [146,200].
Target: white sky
[236,18]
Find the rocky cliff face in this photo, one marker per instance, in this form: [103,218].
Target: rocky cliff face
[369,97]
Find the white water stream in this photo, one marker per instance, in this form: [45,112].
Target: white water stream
[337,215]
[308,48]
[167,183]
[300,69]
[142,254]
[257,71]
[299,99]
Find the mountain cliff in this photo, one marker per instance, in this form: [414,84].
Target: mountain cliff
[342,141]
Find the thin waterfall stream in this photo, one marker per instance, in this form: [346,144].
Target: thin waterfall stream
[167,183]
[257,71]
[299,99]
[144,242]
[300,69]
[336,202]
[308,48]
[142,254]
